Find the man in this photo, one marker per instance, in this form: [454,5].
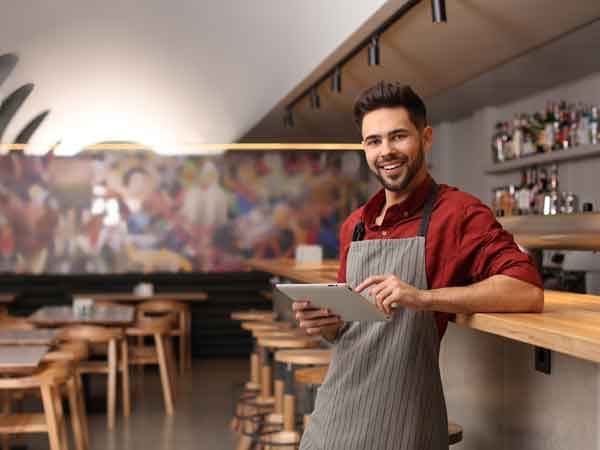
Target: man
[420,251]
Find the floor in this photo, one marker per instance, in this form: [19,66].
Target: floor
[203,409]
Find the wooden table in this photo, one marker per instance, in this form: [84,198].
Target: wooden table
[130,297]
[570,323]
[16,359]
[28,337]
[57,316]
[7,298]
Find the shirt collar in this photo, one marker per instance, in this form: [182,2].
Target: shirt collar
[407,208]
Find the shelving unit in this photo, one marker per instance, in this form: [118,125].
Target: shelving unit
[570,154]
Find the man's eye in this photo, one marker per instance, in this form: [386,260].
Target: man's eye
[398,137]
[372,142]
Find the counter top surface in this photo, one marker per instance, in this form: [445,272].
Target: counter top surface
[570,322]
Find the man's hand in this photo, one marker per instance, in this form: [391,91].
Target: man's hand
[389,290]
[316,321]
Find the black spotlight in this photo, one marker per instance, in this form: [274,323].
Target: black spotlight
[438,11]
[315,100]
[374,51]
[288,118]
[336,80]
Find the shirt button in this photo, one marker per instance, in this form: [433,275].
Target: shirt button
[384,233]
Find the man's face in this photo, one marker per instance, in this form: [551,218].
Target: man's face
[394,148]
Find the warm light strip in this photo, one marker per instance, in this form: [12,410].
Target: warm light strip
[198,148]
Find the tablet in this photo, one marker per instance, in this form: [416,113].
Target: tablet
[340,298]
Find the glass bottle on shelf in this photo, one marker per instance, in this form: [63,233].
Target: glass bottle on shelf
[528,136]
[541,192]
[498,143]
[573,126]
[508,144]
[537,127]
[549,129]
[517,138]
[554,194]
[533,189]
[524,193]
[583,129]
[594,136]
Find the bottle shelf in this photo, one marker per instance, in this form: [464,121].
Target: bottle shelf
[570,154]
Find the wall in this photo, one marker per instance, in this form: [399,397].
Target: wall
[462,149]
[491,386]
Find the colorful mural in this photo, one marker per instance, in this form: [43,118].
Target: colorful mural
[114,212]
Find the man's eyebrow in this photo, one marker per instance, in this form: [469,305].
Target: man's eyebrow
[389,133]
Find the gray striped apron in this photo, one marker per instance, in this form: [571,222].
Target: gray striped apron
[383,389]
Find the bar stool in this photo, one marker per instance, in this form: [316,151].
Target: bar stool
[289,436]
[253,315]
[183,330]
[266,411]
[253,387]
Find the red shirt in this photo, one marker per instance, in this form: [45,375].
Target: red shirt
[464,244]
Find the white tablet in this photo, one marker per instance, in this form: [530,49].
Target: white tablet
[340,298]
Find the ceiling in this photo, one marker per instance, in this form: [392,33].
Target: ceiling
[489,52]
[165,72]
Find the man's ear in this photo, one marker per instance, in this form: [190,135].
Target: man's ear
[427,138]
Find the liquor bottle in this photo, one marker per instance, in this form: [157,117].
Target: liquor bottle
[557,127]
[517,138]
[564,125]
[537,125]
[541,191]
[524,193]
[573,126]
[528,136]
[549,129]
[554,194]
[533,189]
[498,143]
[594,136]
[583,129]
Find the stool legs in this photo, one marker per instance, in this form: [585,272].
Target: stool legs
[51,419]
[112,383]
[77,418]
[164,374]
[125,378]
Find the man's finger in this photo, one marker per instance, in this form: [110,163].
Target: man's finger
[312,314]
[333,320]
[300,305]
[369,282]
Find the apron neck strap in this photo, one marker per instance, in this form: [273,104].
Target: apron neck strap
[428,209]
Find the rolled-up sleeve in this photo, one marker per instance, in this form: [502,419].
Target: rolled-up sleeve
[486,249]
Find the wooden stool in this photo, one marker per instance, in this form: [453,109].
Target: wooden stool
[111,338]
[265,346]
[253,315]
[254,356]
[162,353]
[48,379]
[183,330]
[289,436]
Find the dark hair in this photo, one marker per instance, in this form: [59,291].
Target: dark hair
[390,95]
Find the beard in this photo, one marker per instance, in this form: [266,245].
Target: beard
[398,183]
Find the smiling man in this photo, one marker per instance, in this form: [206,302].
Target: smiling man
[420,251]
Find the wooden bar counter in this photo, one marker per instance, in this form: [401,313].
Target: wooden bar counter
[570,323]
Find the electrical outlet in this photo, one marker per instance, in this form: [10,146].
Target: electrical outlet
[543,360]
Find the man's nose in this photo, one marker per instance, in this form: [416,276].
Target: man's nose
[386,147]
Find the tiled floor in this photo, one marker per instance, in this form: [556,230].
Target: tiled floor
[203,410]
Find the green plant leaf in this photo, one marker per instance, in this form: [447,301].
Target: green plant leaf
[11,105]
[26,133]
[8,61]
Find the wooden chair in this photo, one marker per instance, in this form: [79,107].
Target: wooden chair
[112,339]
[48,380]
[160,329]
[183,329]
